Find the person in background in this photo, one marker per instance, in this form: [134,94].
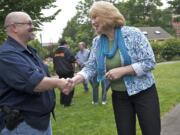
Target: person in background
[26,90]
[104,86]
[63,61]
[81,58]
[123,55]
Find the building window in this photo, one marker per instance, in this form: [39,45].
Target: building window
[157,32]
[145,32]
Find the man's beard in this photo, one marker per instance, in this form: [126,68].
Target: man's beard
[32,37]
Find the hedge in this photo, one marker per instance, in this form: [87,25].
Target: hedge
[166,50]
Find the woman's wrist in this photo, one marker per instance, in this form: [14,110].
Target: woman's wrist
[128,70]
[77,79]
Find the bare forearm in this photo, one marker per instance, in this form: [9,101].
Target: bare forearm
[128,70]
[48,83]
[78,79]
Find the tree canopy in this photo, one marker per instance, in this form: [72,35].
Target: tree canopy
[32,7]
[175,6]
[136,12]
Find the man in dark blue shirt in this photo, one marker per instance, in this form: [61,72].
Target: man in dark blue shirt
[26,91]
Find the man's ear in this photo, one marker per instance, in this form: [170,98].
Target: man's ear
[13,28]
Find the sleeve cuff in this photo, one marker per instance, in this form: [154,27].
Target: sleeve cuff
[138,70]
[33,81]
[83,74]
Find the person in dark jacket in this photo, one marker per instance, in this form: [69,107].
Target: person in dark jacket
[64,66]
[26,90]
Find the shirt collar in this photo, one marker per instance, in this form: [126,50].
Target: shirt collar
[18,46]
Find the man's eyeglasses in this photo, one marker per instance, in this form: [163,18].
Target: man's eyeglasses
[24,23]
[30,23]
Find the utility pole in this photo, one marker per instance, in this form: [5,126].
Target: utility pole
[41,39]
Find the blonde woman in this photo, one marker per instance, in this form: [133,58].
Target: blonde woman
[124,56]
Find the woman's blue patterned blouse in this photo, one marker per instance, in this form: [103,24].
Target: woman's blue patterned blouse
[142,58]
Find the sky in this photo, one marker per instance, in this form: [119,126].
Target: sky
[53,30]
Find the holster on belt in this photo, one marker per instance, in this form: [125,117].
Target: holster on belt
[12,117]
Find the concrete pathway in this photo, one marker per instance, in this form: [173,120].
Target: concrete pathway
[171,122]
[168,62]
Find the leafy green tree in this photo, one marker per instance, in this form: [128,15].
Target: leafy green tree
[43,53]
[136,12]
[70,33]
[139,12]
[32,7]
[76,32]
[71,29]
[174,6]
[146,13]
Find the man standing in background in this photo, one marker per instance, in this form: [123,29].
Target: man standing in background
[81,57]
[63,64]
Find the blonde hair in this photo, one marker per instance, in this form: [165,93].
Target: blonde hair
[108,14]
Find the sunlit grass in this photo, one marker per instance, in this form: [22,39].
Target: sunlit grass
[83,118]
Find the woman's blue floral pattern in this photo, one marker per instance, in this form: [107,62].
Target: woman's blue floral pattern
[142,57]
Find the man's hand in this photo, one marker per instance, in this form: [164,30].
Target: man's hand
[62,83]
[68,87]
[71,82]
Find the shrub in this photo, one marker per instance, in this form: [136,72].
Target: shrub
[157,48]
[171,49]
[51,69]
[166,50]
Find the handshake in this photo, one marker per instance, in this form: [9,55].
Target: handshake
[66,85]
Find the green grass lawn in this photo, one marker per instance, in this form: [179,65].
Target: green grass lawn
[83,118]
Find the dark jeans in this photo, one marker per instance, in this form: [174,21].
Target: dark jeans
[144,104]
[66,99]
[85,85]
[105,85]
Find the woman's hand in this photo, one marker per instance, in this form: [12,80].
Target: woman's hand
[119,72]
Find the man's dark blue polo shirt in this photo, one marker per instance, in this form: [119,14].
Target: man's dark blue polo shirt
[20,71]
